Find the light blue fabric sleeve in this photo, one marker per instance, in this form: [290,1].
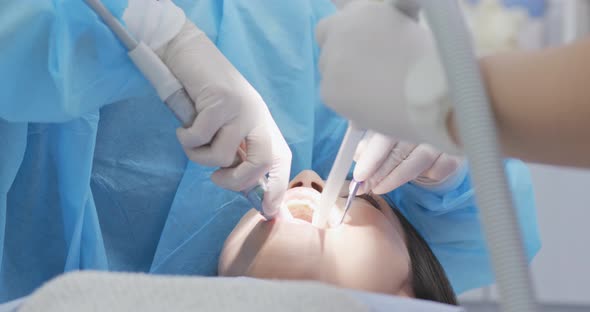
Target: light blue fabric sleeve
[450,224]
[50,223]
[59,61]
[58,64]
[207,15]
[13,139]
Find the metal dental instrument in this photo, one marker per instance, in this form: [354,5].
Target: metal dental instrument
[337,176]
[351,195]
[169,89]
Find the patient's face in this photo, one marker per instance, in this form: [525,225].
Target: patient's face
[366,252]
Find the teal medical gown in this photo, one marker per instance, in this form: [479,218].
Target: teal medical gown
[86,185]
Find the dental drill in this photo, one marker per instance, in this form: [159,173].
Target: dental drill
[478,133]
[169,89]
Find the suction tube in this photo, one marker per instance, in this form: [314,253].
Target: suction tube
[478,133]
[115,26]
[170,90]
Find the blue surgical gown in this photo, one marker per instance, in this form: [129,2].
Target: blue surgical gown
[86,185]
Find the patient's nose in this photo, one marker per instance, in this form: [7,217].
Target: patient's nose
[308,178]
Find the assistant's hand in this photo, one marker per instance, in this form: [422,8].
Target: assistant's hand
[384,164]
[380,69]
[230,111]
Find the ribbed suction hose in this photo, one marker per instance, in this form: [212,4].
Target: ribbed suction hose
[478,133]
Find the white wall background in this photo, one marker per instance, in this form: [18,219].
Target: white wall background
[561,270]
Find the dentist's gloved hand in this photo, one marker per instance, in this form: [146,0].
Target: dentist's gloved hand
[380,69]
[230,111]
[384,164]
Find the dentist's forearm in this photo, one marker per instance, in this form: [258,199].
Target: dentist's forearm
[541,101]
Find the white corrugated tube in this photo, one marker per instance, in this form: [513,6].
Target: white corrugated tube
[478,133]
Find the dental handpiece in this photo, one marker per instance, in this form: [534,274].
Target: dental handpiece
[170,90]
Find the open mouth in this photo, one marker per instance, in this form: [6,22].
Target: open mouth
[301,202]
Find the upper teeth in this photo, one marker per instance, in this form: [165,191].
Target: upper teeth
[301,202]
[335,215]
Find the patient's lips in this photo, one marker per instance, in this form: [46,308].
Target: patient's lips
[301,202]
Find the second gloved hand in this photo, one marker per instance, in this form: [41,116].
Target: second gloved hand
[230,111]
[384,164]
[380,69]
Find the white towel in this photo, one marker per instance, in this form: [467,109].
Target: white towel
[99,291]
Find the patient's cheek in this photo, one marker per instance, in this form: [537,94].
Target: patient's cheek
[277,249]
[291,251]
[365,253]
[368,256]
[241,245]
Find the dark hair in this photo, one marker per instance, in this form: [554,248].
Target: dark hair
[428,279]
